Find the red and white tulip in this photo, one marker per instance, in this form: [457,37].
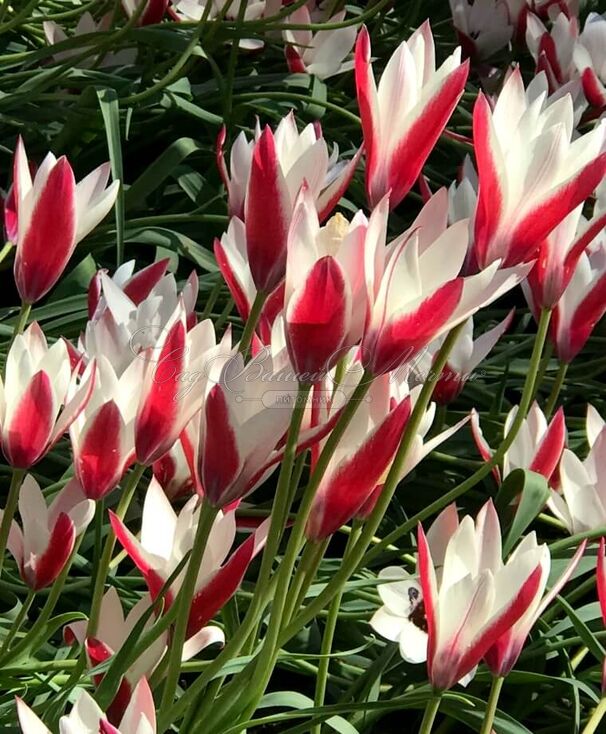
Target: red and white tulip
[40,397]
[590,59]
[176,374]
[113,632]
[53,214]
[532,173]
[279,164]
[87,718]
[321,54]
[538,445]
[165,539]
[558,257]
[129,311]
[582,304]
[403,117]
[325,298]
[416,289]
[483,26]
[601,585]
[504,653]
[466,354]
[44,543]
[581,504]
[474,598]
[103,435]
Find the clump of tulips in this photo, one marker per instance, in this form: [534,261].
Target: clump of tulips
[216,470]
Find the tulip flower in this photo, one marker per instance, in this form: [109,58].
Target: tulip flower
[462,597]
[553,50]
[590,59]
[582,304]
[114,631]
[581,505]
[152,13]
[129,312]
[236,180]
[55,34]
[465,355]
[45,543]
[136,286]
[537,446]
[275,171]
[476,598]
[166,538]
[401,618]
[558,257]
[173,474]
[482,26]
[322,53]
[531,173]
[504,653]
[325,294]
[103,435]
[40,397]
[237,439]
[196,10]
[359,462]
[87,718]
[403,118]
[232,259]
[53,214]
[601,584]
[420,445]
[175,377]
[416,291]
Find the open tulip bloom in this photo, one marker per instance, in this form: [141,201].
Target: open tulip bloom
[166,537]
[47,536]
[581,504]
[87,718]
[41,396]
[526,132]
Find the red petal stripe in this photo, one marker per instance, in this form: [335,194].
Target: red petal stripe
[158,416]
[220,458]
[50,564]
[26,437]
[47,245]
[316,323]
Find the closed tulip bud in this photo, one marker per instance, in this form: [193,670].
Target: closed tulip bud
[53,214]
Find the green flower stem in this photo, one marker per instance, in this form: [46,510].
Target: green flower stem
[22,318]
[33,637]
[555,390]
[592,725]
[232,648]
[266,659]
[327,638]
[16,626]
[8,246]
[110,541]
[9,511]
[251,323]
[184,599]
[304,576]
[491,706]
[430,715]
[572,540]
[487,467]
[358,554]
